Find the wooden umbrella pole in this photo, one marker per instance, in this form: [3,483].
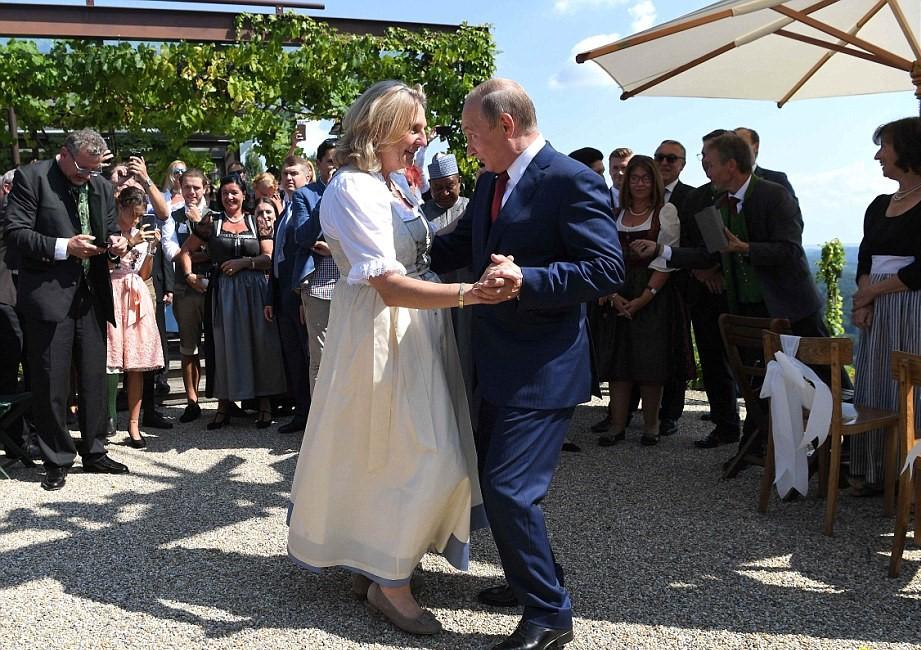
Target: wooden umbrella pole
[916,79]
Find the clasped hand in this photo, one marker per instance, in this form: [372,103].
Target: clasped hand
[624,307]
[500,281]
[644,248]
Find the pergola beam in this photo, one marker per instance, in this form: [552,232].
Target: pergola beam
[116,23]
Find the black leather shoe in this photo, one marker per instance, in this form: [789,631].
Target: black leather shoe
[105,465]
[110,427]
[162,388]
[569,445]
[55,477]
[602,425]
[668,427]
[649,439]
[716,438]
[294,426]
[528,636]
[498,596]
[608,440]
[153,420]
[191,413]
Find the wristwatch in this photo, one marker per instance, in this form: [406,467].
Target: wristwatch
[148,182]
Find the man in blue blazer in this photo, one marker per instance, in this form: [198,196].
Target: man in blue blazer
[547,218]
[289,268]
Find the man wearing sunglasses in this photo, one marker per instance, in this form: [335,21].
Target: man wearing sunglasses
[670,157]
[61,219]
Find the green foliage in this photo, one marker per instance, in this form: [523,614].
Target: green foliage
[830,268]
[253,163]
[253,88]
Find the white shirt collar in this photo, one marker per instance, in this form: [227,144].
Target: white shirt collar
[520,164]
[671,187]
[740,193]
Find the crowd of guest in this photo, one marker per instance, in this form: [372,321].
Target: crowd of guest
[250,280]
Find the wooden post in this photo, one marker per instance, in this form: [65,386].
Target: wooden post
[14,136]
[916,79]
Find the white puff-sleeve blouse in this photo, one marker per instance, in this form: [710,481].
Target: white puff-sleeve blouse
[356,210]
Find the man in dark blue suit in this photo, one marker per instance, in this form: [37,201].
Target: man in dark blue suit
[550,219]
[288,271]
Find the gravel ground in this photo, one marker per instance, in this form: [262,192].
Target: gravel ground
[188,551]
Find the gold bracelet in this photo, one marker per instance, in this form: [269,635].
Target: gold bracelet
[460,295]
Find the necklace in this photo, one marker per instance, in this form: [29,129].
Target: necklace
[230,219]
[898,196]
[642,213]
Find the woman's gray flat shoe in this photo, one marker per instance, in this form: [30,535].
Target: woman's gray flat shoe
[425,623]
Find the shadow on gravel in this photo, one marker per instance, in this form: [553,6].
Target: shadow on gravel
[145,564]
[647,536]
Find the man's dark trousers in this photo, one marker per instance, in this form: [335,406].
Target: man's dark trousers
[507,445]
[719,384]
[79,339]
[293,335]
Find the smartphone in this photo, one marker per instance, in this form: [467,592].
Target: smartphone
[300,130]
[136,153]
[149,220]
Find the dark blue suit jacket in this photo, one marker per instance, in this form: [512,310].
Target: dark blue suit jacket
[297,260]
[534,352]
[305,213]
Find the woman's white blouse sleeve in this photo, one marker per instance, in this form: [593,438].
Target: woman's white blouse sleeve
[356,211]
[669,234]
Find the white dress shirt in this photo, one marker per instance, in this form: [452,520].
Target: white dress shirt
[520,164]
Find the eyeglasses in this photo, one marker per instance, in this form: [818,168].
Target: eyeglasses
[670,157]
[85,171]
[641,180]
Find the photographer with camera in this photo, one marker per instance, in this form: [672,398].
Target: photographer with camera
[160,283]
[133,341]
[61,219]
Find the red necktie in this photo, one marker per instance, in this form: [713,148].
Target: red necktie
[733,205]
[497,193]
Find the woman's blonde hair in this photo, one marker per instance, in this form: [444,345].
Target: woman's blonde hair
[168,181]
[379,117]
[266,178]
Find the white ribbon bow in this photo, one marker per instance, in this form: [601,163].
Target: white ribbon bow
[786,384]
[913,454]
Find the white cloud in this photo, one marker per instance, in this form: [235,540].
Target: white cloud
[834,201]
[572,6]
[643,14]
[573,75]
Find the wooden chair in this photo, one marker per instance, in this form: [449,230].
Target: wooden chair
[906,369]
[835,353]
[744,349]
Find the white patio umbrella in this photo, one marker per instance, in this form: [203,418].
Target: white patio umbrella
[774,50]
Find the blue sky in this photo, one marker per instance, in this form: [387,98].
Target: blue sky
[824,145]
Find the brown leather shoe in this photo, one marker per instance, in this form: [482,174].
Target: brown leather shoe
[424,624]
